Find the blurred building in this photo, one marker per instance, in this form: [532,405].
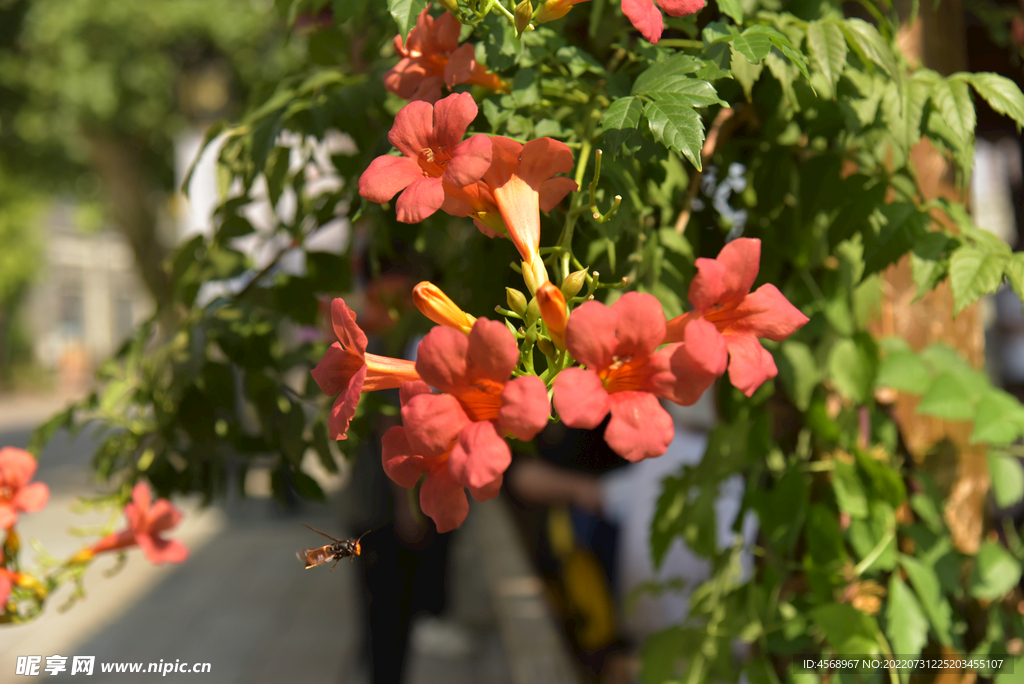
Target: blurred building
[88,299]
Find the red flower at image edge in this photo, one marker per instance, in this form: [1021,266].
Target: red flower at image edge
[348,371]
[456,438]
[17,467]
[146,520]
[7,580]
[430,138]
[431,56]
[625,375]
[720,295]
[647,18]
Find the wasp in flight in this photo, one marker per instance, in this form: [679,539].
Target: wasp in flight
[341,548]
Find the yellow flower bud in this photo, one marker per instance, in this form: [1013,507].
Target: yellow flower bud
[523,14]
[436,305]
[573,283]
[554,312]
[516,301]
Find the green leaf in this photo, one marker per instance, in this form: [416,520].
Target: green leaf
[996,572]
[974,273]
[907,623]
[405,13]
[799,372]
[865,39]
[904,371]
[675,242]
[1001,93]
[903,109]
[929,591]
[783,44]
[893,230]
[753,45]
[949,398]
[828,50]
[619,122]
[678,67]
[849,631]
[1007,475]
[953,101]
[926,263]
[851,370]
[999,418]
[698,91]
[733,8]
[849,490]
[676,125]
[1014,273]
[868,536]
[745,73]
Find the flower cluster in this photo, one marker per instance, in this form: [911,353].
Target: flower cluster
[474,382]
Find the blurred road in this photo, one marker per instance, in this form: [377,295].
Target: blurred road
[242,602]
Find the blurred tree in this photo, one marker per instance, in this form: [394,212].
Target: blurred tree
[93,93]
[19,258]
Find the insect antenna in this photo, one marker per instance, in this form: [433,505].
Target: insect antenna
[320,533]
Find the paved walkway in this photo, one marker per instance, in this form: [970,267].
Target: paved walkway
[242,602]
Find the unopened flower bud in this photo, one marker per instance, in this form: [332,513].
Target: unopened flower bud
[534,274]
[573,283]
[554,312]
[523,15]
[12,544]
[516,301]
[554,9]
[435,305]
[545,347]
[532,312]
[450,5]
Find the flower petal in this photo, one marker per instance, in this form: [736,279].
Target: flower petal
[525,407]
[750,364]
[400,463]
[645,17]
[445,36]
[443,500]
[429,89]
[432,422]
[764,313]
[460,66]
[688,369]
[17,467]
[729,276]
[31,497]
[580,399]
[681,8]
[5,588]
[162,515]
[346,329]
[641,324]
[418,201]
[470,161]
[159,551]
[8,516]
[335,371]
[412,129]
[554,190]
[640,428]
[386,176]
[479,455]
[488,491]
[590,335]
[492,350]
[408,390]
[441,358]
[543,158]
[452,117]
[344,408]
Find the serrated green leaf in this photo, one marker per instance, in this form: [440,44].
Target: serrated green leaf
[1014,272]
[927,265]
[904,109]
[907,624]
[698,91]
[996,572]
[619,122]
[405,13]
[1007,475]
[894,229]
[948,397]
[784,45]
[974,273]
[851,370]
[745,73]
[953,101]
[929,591]
[999,418]
[732,8]
[679,66]
[904,371]
[865,39]
[676,125]
[827,47]
[753,45]
[1001,93]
